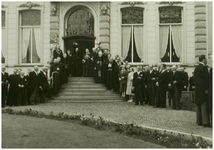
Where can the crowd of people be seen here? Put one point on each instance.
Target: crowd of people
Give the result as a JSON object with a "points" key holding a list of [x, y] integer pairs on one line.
{"points": [[139, 84]]}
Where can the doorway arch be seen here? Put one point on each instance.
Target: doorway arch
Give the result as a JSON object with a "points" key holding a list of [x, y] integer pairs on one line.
{"points": [[79, 28], [67, 9]]}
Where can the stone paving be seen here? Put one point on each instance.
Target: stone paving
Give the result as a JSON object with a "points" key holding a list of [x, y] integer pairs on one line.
{"points": [[164, 118]]}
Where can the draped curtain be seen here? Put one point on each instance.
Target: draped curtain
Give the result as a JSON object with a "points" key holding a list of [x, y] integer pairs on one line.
{"points": [[163, 39], [138, 35], [25, 41], [3, 42], [126, 33], [177, 40], [37, 33]]}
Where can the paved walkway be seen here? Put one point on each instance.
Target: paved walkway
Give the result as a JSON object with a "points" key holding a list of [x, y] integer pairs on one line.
{"points": [[164, 118]]}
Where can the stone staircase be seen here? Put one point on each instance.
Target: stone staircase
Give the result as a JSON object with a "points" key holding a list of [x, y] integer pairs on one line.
{"points": [[84, 89]]}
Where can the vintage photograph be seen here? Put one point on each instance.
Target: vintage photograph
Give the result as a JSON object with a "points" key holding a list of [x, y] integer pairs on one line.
{"points": [[106, 74]]}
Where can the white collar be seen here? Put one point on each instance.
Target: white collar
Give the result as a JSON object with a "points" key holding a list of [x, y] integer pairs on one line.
{"points": [[202, 63]]}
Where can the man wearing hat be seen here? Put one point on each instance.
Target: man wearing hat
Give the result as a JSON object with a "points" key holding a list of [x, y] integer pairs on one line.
{"points": [[4, 85]]}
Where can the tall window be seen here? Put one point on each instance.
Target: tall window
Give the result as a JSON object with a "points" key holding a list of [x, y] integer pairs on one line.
{"points": [[3, 37], [132, 34], [30, 36], [170, 34]]}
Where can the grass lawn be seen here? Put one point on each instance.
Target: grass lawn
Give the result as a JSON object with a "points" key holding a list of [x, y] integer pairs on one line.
{"points": [[165, 118], [31, 132]]}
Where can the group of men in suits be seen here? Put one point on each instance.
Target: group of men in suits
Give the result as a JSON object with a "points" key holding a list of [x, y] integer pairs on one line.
{"points": [[19, 89], [151, 83]]}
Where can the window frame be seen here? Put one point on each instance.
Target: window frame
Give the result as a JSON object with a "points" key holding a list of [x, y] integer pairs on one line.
{"points": [[183, 25], [144, 8], [19, 27]]}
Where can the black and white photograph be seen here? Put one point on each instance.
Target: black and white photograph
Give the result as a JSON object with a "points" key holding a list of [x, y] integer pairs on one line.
{"points": [[106, 74]]}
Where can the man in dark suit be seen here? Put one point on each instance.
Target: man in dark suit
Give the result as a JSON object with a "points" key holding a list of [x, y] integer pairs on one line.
{"points": [[46, 89], [4, 85], [177, 85], [55, 75], [185, 79], [57, 52], [202, 79], [151, 80], [192, 83], [162, 86], [138, 86], [116, 70], [34, 85], [27, 86]]}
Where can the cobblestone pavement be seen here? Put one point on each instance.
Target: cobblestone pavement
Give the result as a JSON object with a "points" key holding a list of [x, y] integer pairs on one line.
{"points": [[164, 118]]}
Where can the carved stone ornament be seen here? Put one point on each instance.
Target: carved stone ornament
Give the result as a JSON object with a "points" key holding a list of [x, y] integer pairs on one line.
{"points": [[104, 9], [171, 3], [29, 5], [53, 37], [132, 4]]}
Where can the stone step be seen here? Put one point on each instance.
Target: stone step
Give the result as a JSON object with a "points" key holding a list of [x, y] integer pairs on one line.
{"points": [[80, 79], [107, 97], [100, 89], [80, 82], [82, 86], [83, 101], [86, 93]]}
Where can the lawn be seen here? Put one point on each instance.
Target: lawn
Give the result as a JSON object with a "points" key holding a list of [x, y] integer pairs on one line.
{"points": [[30, 132], [165, 118]]}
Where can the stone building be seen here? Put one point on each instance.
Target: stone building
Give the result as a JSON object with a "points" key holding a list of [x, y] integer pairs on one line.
{"points": [[140, 32]]}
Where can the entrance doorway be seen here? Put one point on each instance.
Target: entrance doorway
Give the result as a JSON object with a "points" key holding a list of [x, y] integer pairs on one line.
{"points": [[83, 42], [79, 28]]}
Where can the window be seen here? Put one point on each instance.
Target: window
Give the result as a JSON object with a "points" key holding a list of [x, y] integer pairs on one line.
{"points": [[3, 37], [132, 34], [80, 22], [30, 35], [170, 34]]}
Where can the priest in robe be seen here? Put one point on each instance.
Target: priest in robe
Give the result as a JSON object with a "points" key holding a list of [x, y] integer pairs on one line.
{"points": [[77, 63], [55, 75], [13, 89], [22, 95]]}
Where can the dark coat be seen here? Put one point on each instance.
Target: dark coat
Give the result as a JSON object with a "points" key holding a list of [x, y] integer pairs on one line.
{"points": [[13, 89], [58, 53], [163, 78], [4, 85], [34, 81], [202, 79]]}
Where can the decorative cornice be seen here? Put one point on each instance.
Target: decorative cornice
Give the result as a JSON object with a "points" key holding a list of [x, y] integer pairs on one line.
{"points": [[132, 4], [29, 5], [170, 3]]}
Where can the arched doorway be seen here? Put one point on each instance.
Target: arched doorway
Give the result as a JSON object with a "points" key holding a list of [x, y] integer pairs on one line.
{"points": [[79, 28]]}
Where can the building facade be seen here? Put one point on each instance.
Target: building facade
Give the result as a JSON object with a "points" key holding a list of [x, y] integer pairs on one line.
{"points": [[140, 32]]}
